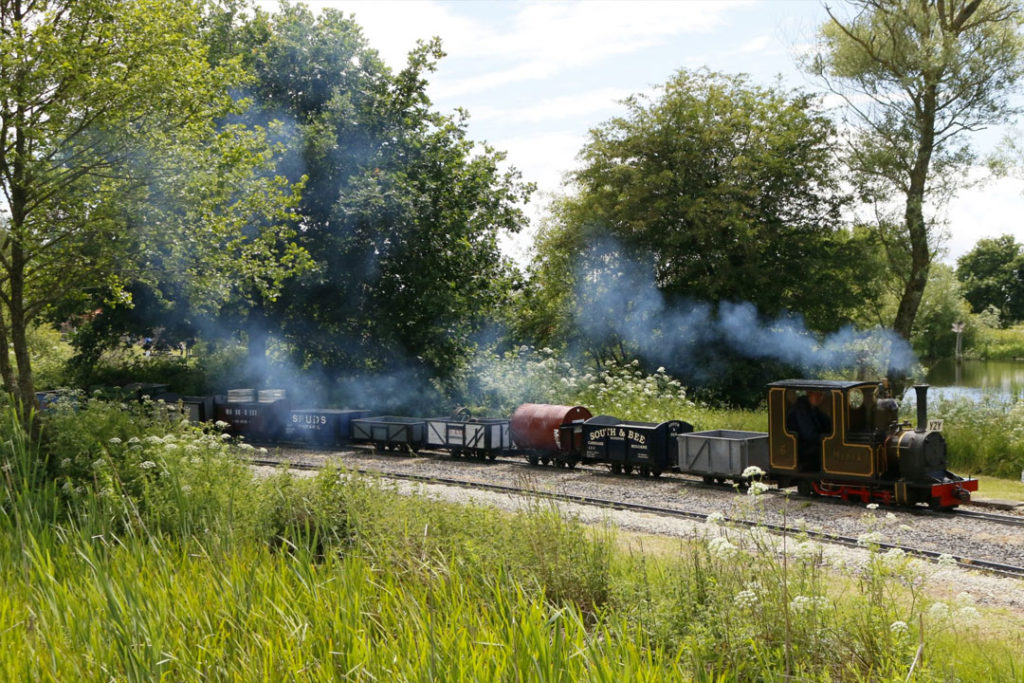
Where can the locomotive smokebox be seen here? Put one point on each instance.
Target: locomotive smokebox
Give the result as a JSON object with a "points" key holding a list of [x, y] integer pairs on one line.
{"points": [[922, 407]]}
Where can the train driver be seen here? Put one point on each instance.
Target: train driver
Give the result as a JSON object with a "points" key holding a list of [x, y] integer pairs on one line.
{"points": [[810, 424]]}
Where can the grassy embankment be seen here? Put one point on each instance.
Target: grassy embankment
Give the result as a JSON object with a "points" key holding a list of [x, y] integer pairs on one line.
{"points": [[145, 550]]}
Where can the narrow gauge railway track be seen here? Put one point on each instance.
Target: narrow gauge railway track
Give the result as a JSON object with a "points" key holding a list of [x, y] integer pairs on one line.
{"points": [[837, 539], [1009, 520]]}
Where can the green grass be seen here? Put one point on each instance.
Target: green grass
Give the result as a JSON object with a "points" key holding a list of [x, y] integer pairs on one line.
{"points": [[193, 569], [1003, 489], [998, 344]]}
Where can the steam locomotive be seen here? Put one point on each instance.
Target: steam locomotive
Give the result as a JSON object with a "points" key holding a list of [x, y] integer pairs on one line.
{"points": [[868, 456]]}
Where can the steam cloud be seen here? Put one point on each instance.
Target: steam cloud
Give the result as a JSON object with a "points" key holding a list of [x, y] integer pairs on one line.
{"points": [[617, 298]]}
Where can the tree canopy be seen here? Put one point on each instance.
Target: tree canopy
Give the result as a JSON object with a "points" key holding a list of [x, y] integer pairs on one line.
{"points": [[113, 163], [401, 211], [726, 187], [992, 275]]}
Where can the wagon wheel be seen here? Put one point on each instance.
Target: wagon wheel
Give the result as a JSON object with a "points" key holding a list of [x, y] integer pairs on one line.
{"points": [[572, 464], [560, 463], [533, 460], [628, 469], [545, 460], [708, 479], [645, 471], [379, 445], [492, 455], [616, 468], [480, 455], [655, 472]]}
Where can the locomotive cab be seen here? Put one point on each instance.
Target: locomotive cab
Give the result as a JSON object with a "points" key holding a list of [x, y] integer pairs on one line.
{"points": [[846, 449]]}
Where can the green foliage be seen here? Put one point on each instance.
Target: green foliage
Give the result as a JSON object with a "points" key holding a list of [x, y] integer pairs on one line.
{"points": [[983, 436], [993, 276], [401, 210], [718, 171], [990, 342], [119, 164], [941, 306]]}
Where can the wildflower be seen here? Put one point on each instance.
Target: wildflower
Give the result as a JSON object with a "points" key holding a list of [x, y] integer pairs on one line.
{"points": [[947, 560], [185, 488], [905, 527], [964, 598], [261, 449], [890, 516], [752, 471], [746, 599], [715, 518], [147, 465], [808, 551], [134, 439], [938, 610], [245, 446], [893, 558], [872, 506], [661, 370], [757, 488], [225, 436], [66, 462], [899, 627], [870, 538], [967, 613], [115, 440], [221, 424], [807, 603], [152, 438], [722, 548]]}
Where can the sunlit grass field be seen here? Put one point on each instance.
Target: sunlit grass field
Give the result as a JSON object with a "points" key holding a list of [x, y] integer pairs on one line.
{"points": [[136, 547]]}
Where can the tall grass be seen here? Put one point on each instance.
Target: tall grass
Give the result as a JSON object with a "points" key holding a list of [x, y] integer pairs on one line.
{"points": [[207, 572]]}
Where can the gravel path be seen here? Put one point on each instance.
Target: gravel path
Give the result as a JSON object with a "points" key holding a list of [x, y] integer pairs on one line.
{"points": [[973, 538]]}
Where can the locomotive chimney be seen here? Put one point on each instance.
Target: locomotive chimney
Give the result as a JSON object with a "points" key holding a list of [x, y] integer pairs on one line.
{"points": [[922, 407]]}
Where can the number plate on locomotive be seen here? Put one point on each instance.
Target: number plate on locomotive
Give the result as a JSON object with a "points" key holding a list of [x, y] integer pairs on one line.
{"points": [[934, 425]]}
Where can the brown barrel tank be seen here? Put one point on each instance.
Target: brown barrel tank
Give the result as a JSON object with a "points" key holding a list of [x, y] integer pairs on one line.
{"points": [[535, 425]]}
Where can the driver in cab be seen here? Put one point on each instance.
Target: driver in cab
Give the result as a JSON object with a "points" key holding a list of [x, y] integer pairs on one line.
{"points": [[810, 424]]}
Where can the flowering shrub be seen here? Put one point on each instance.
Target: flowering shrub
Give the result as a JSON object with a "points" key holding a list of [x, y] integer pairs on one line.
{"points": [[143, 463], [984, 436]]}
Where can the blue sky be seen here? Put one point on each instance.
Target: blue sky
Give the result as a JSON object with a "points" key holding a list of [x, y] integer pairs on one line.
{"points": [[536, 76]]}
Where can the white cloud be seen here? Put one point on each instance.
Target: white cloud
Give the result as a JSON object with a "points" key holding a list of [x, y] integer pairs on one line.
{"points": [[993, 209], [591, 104]]}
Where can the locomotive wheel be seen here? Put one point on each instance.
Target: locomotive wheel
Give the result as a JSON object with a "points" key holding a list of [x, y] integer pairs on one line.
{"points": [[533, 460], [803, 487], [545, 460], [560, 463], [616, 468], [492, 455], [655, 472], [572, 464]]}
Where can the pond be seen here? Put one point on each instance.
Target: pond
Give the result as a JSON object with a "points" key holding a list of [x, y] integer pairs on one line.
{"points": [[976, 378]]}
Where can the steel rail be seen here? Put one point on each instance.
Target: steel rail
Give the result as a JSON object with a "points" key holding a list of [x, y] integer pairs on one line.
{"points": [[848, 541]]}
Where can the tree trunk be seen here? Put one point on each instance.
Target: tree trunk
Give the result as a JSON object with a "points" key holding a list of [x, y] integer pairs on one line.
{"points": [[917, 230], [6, 371], [19, 326]]}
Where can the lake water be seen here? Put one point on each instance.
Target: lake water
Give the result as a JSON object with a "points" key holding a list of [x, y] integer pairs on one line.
{"points": [[976, 378]]}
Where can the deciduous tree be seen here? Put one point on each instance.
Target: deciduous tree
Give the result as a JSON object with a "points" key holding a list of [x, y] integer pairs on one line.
{"points": [[917, 77], [115, 161]]}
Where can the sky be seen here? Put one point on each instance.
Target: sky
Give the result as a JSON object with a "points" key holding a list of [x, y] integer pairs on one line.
{"points": [[535, 77]]}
